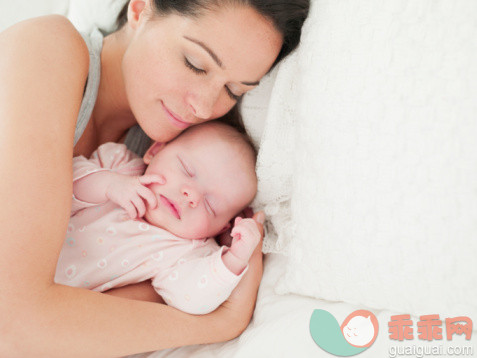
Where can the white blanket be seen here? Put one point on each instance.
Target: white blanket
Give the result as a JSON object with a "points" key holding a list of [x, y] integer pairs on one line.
{"points": [[280, 328]]}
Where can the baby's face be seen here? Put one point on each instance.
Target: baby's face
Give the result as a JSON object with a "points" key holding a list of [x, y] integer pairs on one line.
{"points": [[208, 181]]}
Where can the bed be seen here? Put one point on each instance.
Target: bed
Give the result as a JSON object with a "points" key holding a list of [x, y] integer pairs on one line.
{"points": [[367, 173]]}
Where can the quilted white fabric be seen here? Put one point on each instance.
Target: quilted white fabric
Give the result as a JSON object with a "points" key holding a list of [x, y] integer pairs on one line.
{"points": [[384, 192], [275, 157]]}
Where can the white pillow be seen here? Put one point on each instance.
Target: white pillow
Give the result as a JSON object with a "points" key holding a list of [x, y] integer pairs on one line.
{"points": [[255, 106], [385, 177], [15, 11], [87, 14], [275, 158]]}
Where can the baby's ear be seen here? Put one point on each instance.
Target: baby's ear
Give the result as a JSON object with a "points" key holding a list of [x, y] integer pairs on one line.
{"points": [[152, 151]]}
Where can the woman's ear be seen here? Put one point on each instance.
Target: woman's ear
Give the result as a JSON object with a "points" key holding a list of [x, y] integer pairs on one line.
{"points": [[136, 11], [152, 151]]}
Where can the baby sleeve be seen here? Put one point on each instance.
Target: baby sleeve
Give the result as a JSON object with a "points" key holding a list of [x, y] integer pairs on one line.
{"points": [[197, 285], [108, 157]]}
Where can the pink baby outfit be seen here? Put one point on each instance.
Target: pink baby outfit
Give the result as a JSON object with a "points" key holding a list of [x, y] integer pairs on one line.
{"points": [[104, 248]]}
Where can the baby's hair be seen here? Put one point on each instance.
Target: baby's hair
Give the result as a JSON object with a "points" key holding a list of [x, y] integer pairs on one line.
{"points": [[239, 135], [229, 133]]}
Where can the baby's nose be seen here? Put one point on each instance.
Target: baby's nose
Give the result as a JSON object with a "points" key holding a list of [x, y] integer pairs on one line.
{"points": [[191, 196]]}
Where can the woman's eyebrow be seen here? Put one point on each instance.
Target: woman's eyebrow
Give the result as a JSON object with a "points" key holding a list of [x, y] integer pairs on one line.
{"points": [[217, 59], [206, 48]]}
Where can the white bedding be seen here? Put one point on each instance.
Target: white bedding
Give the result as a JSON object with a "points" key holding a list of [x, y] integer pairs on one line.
{"points": [[280, 327], [15, 11]]}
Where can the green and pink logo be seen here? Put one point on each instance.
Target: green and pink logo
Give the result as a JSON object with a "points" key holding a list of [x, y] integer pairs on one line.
{"points": [[356, 334]]}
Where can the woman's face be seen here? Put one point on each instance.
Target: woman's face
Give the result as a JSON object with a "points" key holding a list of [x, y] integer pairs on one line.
{"points": [[180, 71]]}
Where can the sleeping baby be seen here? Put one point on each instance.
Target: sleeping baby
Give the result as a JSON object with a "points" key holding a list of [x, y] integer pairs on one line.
{"points": [[132, 223]]}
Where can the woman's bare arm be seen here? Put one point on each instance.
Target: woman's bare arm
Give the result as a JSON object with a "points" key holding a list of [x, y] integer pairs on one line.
{"points": [[43, 67], [142, 291]]}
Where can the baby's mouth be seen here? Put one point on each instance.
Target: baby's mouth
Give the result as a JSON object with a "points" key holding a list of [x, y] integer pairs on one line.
{"points": [[173, 208]]}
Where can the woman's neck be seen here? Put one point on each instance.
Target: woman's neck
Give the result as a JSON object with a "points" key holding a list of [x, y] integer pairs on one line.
{"points": [[112, 115]]}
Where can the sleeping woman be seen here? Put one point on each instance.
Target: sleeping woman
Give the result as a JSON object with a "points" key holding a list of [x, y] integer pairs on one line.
{"points": [[170, 65]]}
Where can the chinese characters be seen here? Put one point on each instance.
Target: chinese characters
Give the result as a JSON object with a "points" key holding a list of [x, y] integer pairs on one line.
{"points": [[429, 327]]}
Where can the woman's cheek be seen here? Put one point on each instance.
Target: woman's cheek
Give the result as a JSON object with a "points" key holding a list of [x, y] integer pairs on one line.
{"points": [[223, 106]]}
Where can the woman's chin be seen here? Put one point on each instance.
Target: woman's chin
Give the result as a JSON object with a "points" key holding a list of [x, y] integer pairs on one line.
{"points": [[160, 133]]}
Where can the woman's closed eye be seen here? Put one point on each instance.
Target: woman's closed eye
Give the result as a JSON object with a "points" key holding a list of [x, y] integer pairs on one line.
{"points": [[200, 71], [231, 95]]}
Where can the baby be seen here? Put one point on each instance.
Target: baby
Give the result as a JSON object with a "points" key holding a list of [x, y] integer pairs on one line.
{"points": [[130, 223]]}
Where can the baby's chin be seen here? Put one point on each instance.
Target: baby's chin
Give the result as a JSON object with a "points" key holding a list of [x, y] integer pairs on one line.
{"points": [[150, 220], [186, 233], [174, 230]]}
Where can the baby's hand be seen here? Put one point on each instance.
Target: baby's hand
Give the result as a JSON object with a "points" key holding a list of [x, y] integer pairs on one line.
{"points": [[131, 193], [245, 237]]}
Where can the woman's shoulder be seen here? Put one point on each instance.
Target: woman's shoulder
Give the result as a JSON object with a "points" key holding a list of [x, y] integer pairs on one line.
{"points": [[48, 39], [43, 66]]}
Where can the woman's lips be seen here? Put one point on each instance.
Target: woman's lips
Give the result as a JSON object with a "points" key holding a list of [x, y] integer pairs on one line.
{"points": [[174, 119], [170, 205]]}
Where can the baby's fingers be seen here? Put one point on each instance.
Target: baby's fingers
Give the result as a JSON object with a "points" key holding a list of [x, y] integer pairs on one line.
{"points": [[247, 228], [149, 196], [130, 209], [246, 223], [139, 205], [152, 178]]}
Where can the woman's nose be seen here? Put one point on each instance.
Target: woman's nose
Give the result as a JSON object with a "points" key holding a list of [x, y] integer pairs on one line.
{"points": [[202, 102], [191, 196]]}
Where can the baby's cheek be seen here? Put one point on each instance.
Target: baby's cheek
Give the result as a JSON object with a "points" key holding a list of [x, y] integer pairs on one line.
{"points": [[202, 228], [153, 217]]}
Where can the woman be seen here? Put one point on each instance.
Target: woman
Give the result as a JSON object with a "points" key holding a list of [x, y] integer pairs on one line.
{"points": [[171, 65]]}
